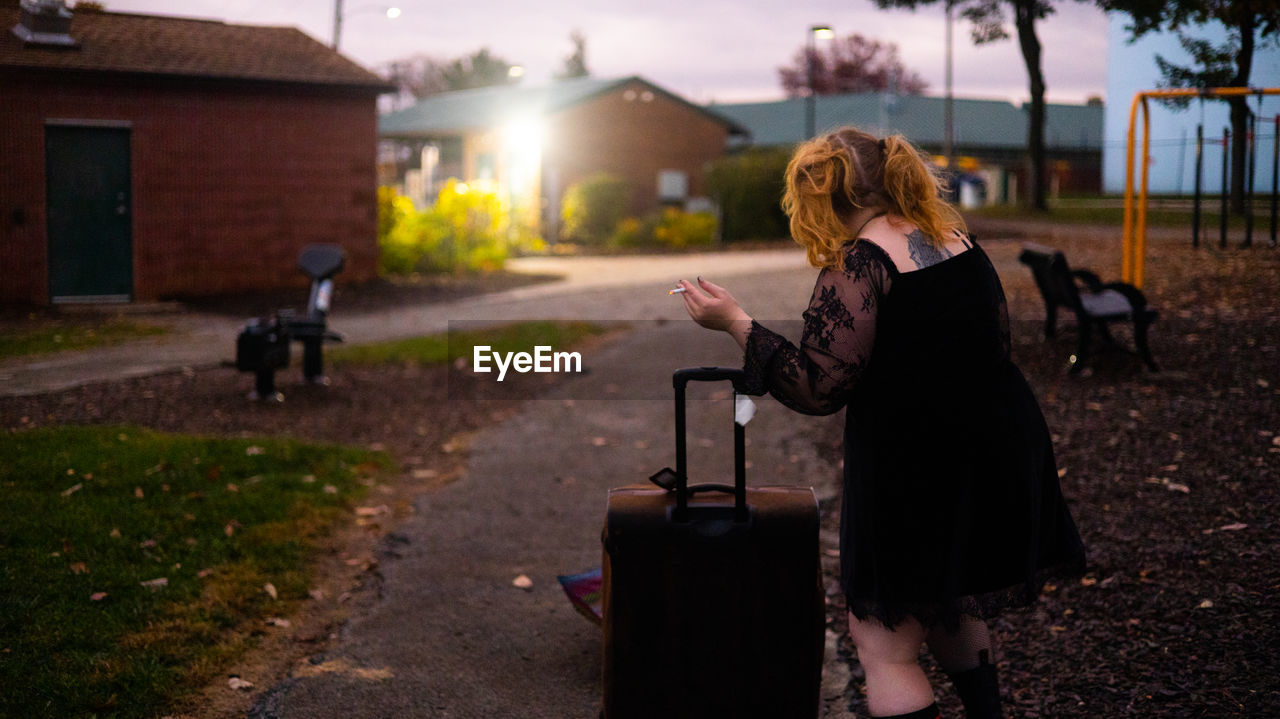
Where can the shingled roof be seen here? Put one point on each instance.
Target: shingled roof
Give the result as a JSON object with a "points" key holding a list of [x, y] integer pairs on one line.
{"points": [[488, 107], [151, 45], [978, 123]]}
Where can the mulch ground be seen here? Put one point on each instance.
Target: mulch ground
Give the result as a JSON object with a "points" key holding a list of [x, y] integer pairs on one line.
{"points": [[1173, 477]]}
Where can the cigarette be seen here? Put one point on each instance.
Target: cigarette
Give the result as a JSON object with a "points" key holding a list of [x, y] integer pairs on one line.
{"points": [[676, 291]]}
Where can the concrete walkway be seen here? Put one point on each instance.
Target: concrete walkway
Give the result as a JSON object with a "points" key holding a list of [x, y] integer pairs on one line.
{"points": [[205, 340], [450, 635]]}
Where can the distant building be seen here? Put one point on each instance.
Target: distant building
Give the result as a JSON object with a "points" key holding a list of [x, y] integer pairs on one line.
{"points": [[150, 157], [989, 136], [534, 143], [1131, 68]]}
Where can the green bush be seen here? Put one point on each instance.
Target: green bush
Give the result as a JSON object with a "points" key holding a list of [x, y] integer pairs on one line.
{"points": [[591, 209], [468, 229], [670, 228], [748, 187]]}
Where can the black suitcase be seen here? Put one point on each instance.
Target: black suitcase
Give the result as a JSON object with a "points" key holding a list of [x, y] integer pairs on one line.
{"points": [[713, 604]]}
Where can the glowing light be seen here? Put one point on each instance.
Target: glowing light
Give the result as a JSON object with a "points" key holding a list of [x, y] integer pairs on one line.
{"points": [[822, 32], [515, 71], [522, 146], [393, 13], [461, 188]]}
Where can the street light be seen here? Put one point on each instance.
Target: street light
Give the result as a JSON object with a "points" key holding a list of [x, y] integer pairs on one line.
{"points": [[948, 120], [391, 12], [817, 32]]}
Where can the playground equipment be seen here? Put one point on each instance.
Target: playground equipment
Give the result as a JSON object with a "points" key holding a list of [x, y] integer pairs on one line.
{"points": [[1135, 218], [262, 347]]}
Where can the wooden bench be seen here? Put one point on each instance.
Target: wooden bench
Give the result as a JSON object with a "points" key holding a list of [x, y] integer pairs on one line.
{"points": [[1095, 304]]}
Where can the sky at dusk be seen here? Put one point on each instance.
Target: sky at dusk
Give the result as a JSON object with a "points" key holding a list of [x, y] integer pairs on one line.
{"points": [[704, 50]]}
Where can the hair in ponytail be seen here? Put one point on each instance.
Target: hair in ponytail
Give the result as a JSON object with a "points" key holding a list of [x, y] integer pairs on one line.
{"points": [[829, 178]]}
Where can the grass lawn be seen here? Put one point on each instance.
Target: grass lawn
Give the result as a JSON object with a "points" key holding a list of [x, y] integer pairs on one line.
{"points": [[27, 337], [134, 564], [435, 349]]}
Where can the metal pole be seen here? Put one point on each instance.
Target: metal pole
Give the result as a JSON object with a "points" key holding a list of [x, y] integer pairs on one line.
{"points": [[1195, 207], [1226, 164], [809, 101], [337, 22], [948, 121], [1250, 164], [1275, 178]]}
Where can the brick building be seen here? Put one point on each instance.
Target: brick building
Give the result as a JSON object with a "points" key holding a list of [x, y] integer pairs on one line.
{"points": [[534, 143], [151, 157]]}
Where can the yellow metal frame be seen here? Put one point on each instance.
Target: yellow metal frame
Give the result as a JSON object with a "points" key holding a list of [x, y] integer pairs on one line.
{"points": [[1135, 233]]}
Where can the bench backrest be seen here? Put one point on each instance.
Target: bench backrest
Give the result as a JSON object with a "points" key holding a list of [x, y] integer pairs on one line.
{"points": [[1052, 275]]}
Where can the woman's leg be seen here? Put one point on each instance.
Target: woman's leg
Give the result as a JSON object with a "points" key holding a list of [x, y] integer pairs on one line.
{"points": [[965, 655], [896, 684]]}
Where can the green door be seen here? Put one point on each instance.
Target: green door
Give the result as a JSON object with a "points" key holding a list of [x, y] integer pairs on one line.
{"points": [[90, 216]]}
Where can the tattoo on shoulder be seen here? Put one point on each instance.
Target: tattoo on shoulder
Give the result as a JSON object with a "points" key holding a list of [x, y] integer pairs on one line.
{"points": [[923, 252]]}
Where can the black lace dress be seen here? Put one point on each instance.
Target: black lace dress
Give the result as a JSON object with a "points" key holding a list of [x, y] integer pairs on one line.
{"points": [[951, 505]]}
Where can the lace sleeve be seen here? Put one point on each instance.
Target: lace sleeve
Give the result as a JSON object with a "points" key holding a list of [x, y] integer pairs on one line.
{"points": [[839, 332]]}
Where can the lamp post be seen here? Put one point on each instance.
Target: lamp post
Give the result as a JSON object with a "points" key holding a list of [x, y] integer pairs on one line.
{"points": [[948, 121], [338, 14], [817, 32]]}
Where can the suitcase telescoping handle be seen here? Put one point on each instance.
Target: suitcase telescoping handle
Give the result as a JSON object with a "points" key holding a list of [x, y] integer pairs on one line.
{"points": [[681, 379]]}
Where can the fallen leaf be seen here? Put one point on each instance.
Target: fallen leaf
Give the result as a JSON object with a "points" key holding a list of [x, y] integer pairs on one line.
{"points": [[231, 527], [97, 596], [115, 533], [1093, 406], [72, 490], [599, 441], [372, 511], [147, 543], [424, 473], [156, 584], [239, 684], [79, 568], [232, 487], [1176, 487], [316, 594], [1169, 468], [1263, 383], [204, 573], [270, 589], [1088, 581], [330, 489], [1062, 472], [308, 478], [278, 622], [137, 492], [1233, 527], [523, 582], [254, 451], [1206, 604]]}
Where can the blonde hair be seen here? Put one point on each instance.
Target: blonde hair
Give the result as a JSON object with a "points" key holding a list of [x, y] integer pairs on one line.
{"points": [[829, 178]]}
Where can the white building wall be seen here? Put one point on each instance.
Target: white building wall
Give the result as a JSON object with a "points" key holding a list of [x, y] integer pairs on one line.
{"points": [[1131, 68]]}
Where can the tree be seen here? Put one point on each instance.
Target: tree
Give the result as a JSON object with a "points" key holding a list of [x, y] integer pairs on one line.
{"points": [[987, 19], [420, 76], [1225, 65], [576, 64], [479, 69], [852, 64]]}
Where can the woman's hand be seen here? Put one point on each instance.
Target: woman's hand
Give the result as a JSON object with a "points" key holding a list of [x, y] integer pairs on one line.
{"points": [[716, 309]]}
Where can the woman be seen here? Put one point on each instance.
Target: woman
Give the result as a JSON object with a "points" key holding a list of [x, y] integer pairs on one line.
{"points": [[952, 510]]}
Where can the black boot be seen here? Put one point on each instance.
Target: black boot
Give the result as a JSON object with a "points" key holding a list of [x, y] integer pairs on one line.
{"points": [[979, 689]]}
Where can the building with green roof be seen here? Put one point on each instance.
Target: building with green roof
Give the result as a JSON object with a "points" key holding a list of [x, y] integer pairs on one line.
{"points": [[989, 136], [533, 143]]}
